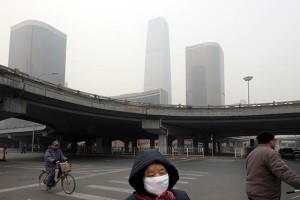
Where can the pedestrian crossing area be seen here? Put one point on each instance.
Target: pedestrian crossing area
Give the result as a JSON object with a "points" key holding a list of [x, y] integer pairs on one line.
{"points": [[117, 189], [103, 182]]}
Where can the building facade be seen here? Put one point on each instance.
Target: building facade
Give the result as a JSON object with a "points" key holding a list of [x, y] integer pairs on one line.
{"points": [[39, 50], [157, 63], [205, 75], [158, 96]]}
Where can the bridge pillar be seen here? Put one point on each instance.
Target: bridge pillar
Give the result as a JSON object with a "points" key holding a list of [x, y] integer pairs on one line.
{"points": [[196, 144], [155, 127], [103, 145], [162, 143], [134, 145], [126, 146], [152, 143], [180, 145]]}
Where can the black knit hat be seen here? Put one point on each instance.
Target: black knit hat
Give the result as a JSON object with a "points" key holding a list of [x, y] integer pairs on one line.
{"points": [[264, 137]]}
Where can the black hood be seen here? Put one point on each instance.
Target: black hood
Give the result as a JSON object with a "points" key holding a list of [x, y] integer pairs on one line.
{"points": [[145, 158]]}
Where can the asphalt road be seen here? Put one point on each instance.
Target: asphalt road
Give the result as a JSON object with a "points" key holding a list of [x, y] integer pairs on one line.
{"points": [[106, 178]]}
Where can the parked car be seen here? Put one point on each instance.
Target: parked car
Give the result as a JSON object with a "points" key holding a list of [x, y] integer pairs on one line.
{"points": [[287, 153]]}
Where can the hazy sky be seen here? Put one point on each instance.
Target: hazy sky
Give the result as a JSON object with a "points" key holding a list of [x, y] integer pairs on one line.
{"points": [[106, 42]]}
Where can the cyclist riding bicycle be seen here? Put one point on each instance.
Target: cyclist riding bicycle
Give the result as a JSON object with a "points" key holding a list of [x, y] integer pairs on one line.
{"points": [[53, 156]]}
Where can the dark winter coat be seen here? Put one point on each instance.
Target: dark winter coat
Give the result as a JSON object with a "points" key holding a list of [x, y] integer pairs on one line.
{"points": [[140, 164], [51, 155]]}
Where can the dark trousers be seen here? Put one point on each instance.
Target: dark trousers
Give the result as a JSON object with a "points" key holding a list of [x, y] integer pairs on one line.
{"points": [[51, 178]]}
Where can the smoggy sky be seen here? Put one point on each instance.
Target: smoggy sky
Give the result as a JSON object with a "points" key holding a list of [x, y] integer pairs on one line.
{"points": [[106, 42]]}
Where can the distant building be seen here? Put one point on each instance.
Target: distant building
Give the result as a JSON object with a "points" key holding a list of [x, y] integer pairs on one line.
{"points": [[159, 96], [205, 75], [157, 64], [39, 50]]}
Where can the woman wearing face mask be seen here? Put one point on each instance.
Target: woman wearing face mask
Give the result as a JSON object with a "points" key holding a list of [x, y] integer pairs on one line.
{"points": [[153, 177]]}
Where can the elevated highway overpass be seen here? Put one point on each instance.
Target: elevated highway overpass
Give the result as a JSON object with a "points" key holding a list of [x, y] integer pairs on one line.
{"points": [[77, 115]]}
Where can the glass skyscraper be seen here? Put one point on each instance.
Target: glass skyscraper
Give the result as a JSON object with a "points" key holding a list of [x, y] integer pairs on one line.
{"points": [[205, 75], [157, 64], [38, 49]]}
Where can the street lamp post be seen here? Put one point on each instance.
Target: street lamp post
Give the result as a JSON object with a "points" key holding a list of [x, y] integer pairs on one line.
{"points": [[248, 79]]}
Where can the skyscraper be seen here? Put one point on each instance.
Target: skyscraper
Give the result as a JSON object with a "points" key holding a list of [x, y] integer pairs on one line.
{"points": [[39, 50], [157, 64], [205, 75]]}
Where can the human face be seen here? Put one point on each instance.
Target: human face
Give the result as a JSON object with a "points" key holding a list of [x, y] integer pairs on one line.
{"points": [[55, 146], [154, 170]]}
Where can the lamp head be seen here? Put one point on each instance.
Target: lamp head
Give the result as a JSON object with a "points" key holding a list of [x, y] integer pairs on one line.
{"points": [[248, 78]]}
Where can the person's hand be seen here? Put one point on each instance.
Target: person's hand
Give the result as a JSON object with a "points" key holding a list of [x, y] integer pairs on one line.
{"points": [[55, 161], [67, 160]]}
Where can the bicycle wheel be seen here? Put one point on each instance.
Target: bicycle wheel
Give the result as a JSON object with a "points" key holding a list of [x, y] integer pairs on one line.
{"points": [[43, 178], [68, 183]]}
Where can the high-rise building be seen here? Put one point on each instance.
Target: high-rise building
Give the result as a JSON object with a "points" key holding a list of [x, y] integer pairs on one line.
{"points": [[39, 50], [205, 75], [157, 64]]}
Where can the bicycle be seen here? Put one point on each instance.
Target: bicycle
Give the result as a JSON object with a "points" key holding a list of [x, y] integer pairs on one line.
{"points": [[68, 183], [293, 191]]}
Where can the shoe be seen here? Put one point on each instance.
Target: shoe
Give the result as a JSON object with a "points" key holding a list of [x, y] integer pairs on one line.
{"points": [[49, 187]]}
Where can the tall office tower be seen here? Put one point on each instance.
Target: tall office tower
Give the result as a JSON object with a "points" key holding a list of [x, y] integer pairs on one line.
{"points": [[205, 75], [157, 64], [39, 50]]}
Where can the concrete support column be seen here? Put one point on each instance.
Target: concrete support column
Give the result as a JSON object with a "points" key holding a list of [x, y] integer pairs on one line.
{"points": [[152, 143], [206, 145], [162, 143], [170, 142], [134, 145], [88, 146], [180, 145], [103, 145], [214, 145], [74, 147], [219, 147], [195, 145], [126, 146]]}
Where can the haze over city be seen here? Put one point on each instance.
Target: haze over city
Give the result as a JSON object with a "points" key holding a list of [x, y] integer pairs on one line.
{"points": [[106, 42]]}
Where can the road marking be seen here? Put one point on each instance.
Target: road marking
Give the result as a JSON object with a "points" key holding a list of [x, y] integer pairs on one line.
{"points": [[85, 196], [182, 182], [190, 178], [76, 178], [121, 182], [192, 174], [111, 188], [18, 188], [103, 173], [83, 171], [20, 167]]}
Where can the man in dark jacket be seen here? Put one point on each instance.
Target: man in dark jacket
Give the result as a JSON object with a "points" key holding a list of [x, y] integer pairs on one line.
{"points": [[265, 170], [53, 156], [153, 177]]}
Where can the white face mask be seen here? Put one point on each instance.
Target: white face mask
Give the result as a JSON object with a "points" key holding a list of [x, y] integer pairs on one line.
{"points": [[156, 185]]}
